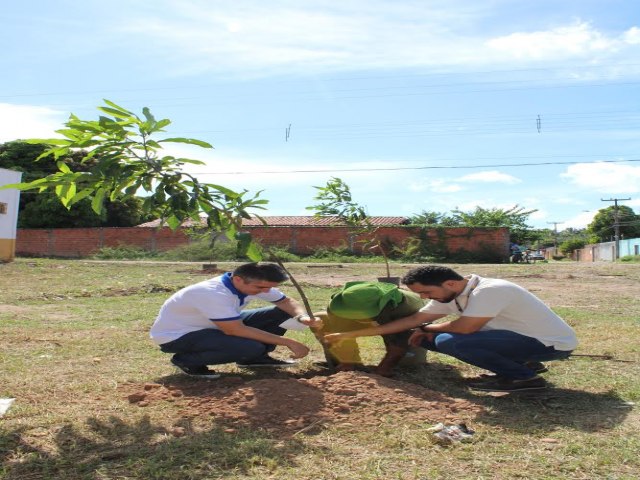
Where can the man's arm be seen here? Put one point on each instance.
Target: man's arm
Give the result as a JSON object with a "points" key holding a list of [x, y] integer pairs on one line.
{"points": [[459, 325], [400, 325], [295, 308], [291, 306], [237, 328]]}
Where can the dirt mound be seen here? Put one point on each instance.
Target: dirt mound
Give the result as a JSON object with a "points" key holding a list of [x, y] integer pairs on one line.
{"points": [[289, 405]]}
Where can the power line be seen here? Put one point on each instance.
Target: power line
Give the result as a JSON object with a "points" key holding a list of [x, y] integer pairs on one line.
{"points": [[431, 167]]}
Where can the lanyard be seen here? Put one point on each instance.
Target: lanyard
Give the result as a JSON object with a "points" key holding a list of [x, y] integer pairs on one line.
{"points": [[472, 285]]}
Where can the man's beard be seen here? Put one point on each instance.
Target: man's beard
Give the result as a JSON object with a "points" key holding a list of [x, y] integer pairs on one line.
{"points": [[449, 298]]}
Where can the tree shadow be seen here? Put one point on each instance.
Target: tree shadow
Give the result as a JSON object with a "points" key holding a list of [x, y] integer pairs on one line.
{"points": [[547, 410], [115, 447], [543, 410]]}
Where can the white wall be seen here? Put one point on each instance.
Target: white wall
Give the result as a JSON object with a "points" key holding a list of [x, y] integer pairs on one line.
{"points": [[9, 217]]}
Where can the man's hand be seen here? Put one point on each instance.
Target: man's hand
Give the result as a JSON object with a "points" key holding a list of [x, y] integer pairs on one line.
{"points": [[311, 322], [334, 337], [416, 338], [298, 350]]}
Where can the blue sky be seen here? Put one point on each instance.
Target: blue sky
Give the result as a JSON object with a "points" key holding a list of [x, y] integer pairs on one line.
{"points": [[416, 105]]}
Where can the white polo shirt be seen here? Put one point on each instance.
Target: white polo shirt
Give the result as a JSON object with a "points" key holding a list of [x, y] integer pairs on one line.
{"points": [[196, 307], [512, 308]]}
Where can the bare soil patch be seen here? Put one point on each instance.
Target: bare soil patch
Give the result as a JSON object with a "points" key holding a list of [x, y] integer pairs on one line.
{"points": [[285, 406]]}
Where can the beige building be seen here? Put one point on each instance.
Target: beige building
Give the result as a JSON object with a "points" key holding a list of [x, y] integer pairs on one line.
{"points": [[8, 214]]}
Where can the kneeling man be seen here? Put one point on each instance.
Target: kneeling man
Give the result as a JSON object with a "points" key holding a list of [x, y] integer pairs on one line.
{"points": [[500, 327], [204, 324]]}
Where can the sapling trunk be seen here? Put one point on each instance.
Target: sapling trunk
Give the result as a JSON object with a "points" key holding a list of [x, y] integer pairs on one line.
{"points": [[307, 306]]}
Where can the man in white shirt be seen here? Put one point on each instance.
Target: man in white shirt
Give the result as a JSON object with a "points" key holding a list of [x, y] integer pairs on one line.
{"points": [[204, 324], [500, 326]]}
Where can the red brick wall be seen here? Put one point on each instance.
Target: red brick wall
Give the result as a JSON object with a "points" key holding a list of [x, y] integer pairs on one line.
{"points": [[80, 242], [305, 240]]}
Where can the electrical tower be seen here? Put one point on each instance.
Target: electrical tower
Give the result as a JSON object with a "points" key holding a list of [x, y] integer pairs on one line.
{"points": [[555, 235], [616, 222]]}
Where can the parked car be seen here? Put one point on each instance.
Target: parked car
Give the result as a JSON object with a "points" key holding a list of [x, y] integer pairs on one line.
{"points": [[533, 255]]}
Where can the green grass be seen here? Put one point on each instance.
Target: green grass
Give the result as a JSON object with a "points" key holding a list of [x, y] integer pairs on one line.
{"points": [[73, 332]]}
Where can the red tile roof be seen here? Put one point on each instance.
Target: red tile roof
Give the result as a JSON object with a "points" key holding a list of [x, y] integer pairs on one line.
{"points": [[295, 221]]}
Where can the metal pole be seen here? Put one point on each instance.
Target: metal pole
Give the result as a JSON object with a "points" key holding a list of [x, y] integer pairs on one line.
{"points": [[616, 223]]}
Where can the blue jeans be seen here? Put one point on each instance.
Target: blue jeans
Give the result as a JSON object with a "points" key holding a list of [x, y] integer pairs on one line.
{"points": [[213, 347], [500, 351]]}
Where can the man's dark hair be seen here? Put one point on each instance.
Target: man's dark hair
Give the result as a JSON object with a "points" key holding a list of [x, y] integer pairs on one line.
{"points": [[430, 275], [262, 272]]}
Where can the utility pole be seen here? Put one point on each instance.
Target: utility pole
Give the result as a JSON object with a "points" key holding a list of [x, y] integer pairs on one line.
{"points": [[555, 235], [616, 222]]}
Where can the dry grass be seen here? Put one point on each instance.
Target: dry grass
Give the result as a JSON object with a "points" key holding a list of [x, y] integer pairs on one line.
{"points": [[73, 332]]}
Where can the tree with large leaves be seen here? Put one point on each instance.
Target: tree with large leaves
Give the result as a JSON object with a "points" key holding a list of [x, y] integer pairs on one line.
{"points": [[123, 159], [44, 210]]}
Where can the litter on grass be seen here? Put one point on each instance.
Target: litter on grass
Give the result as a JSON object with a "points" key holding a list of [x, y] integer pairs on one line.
{"points": [[5, 403], [448, 434]]}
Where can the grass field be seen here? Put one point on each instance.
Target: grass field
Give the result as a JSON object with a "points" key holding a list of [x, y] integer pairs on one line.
{"points": [[72, 332]]}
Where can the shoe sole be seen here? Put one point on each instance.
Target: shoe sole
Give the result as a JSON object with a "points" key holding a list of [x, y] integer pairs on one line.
{"points": [[523, 389], [268, 366], [211, 376]]}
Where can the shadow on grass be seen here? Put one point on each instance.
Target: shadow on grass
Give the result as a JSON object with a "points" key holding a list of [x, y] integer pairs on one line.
{"points": [[556, 407], [117, 448], [540, 411]]}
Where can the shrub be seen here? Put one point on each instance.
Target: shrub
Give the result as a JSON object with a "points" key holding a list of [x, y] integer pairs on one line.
{"points": [[282, 254], [123, 252], [201, 251], [340, 255], [570, 245]]}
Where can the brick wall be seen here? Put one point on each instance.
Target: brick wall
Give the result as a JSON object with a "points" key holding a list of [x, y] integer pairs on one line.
{"points": [[81, 242]]}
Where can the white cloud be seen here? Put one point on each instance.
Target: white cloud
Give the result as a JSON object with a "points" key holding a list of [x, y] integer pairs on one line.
{"points": [[256, 38], [632, 36], [20, 122], [581, 220], [492, 176], [434, 186], [567, 41], [610, 178]]}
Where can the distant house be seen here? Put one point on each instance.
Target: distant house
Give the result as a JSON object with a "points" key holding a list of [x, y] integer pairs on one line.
{"points": [[306, 234], [296, 221]]}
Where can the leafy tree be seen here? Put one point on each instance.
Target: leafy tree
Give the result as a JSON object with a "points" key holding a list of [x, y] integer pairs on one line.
{"points": [[569, 246], [515, 219], [433, 219], [122, 158], [44, 210], [602, 226], [336, 201]]}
